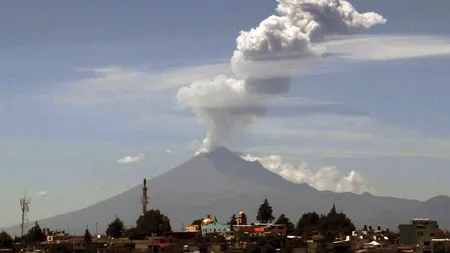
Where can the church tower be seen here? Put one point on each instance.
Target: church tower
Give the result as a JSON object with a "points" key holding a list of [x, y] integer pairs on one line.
{"points": [[144, 197], [241, 218]]}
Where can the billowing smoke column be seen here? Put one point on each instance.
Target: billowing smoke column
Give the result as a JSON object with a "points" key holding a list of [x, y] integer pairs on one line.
{"points": [[228, 104]]}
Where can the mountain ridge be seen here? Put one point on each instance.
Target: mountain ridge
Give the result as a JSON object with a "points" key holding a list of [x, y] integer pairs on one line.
{"points": [[221, 182]]}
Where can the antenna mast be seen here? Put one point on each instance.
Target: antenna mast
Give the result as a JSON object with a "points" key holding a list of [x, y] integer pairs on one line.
{"points": [[25, 208]]}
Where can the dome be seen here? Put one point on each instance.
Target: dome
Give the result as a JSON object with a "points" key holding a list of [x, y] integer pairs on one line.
{"points": [[207, 221], [241, 213]]}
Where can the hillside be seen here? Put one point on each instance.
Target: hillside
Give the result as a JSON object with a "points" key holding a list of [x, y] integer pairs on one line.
{"points": [[222, 183]]}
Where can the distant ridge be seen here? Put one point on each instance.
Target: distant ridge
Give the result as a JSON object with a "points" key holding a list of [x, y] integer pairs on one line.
{"points": [[220, 182]]}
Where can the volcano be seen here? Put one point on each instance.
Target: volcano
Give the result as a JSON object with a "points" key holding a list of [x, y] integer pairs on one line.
{"points": [[222, 183]]}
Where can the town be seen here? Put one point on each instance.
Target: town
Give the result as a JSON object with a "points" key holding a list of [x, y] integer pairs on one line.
{"points": [[313, 233]]}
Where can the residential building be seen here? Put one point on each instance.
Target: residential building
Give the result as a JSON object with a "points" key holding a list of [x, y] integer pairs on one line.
{"points": [[260, 229], [419, 232]]}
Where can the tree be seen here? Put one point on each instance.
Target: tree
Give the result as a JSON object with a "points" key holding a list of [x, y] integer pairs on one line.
{"points": [[197, 222], [335, 223], [87, 236], [233, 221], [365, 228], [153, 222], [35, 234], [17, 239], [290, 228], [379, 228], [307, 224], [115, 229], [265, 212], [6, 241]]}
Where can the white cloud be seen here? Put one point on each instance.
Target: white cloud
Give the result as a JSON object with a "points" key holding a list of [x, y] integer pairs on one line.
{"points": [[325, 178], [41, 194], [168, 151], [133, 86], [98, 186], [326, 135], [131, 159], [117, 85], [142, 94], [383, 48]]}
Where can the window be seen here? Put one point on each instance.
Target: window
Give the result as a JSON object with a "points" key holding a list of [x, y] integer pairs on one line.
{"points": [[419, 233], [427, 243]]}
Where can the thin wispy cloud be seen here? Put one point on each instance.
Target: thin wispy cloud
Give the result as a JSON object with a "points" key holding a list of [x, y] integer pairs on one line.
{"points": [[41, 194], [122, 85], [384, 47], [98, 186], [328, 135], [327, 128], [131, 158]]}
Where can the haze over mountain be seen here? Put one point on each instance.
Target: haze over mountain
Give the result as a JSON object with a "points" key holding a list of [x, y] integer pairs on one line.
{"points": [[222, 183]]}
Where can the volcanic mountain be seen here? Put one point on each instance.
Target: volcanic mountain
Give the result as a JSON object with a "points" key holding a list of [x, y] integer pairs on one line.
{"points": [[222, 183]]}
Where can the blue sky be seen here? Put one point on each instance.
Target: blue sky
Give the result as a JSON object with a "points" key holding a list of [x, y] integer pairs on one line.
{"points": [[83, 84]]}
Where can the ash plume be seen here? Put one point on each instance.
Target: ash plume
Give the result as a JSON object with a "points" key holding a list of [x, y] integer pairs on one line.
{"points": [[258, 64]]}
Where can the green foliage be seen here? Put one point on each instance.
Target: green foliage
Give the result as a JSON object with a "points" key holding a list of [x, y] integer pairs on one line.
{"points": [[133, 234], [290, 228], [233, 221], [17, 239], [6, 241], [335, 223], [116, 228], [265, 213], [307, 224], [197, 222], [329, 225], [35, 234], [87, 236], [153, 222]]}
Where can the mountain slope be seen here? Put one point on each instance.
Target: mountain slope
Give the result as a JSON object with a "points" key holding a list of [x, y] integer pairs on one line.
{"points": [[222, 183]]}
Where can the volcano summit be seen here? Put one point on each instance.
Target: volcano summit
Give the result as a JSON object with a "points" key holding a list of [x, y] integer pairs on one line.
{"points": [[222, 183]]}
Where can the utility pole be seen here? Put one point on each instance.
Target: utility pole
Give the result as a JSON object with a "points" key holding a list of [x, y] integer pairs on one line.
{"points": [[25, 208]]}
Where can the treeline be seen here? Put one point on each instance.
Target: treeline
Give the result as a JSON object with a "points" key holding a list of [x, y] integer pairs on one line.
{"points": [[329, 225], [34, 235], [154, 222]]}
